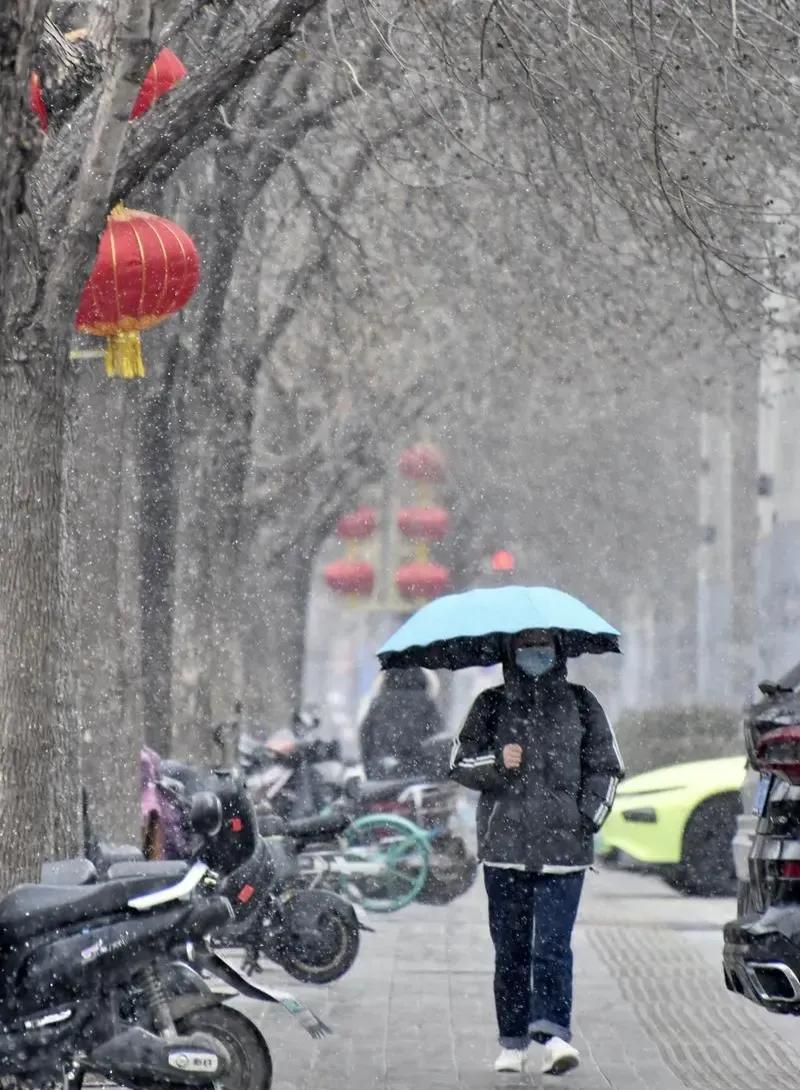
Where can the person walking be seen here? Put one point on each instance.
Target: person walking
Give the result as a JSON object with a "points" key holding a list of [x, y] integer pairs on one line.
{"points": [[544, 757], [398, 722]]}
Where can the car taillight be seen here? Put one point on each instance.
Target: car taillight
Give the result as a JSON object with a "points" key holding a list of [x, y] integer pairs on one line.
{"points": [[789, 868], [778, 751]]}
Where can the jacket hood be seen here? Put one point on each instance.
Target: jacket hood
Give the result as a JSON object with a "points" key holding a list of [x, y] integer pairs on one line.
{"points": [[413, 678], [430, 684], [519, 685]]}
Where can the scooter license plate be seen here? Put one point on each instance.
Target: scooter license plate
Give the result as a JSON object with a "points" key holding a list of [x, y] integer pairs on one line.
{"points": [[762, 795]]}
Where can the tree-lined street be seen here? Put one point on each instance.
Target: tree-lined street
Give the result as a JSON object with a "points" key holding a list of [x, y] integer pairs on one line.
{"points": [[402, 234], [311, 312]]}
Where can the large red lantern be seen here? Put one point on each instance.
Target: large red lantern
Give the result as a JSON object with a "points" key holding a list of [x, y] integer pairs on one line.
{"points": [[421, 580], [357, 525], [353, 577], [146, 269], [422, 462], [423, 523], [162, 75]]}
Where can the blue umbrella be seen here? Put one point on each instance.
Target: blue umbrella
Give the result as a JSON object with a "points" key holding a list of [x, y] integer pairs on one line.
{"points": [[469, 629]]}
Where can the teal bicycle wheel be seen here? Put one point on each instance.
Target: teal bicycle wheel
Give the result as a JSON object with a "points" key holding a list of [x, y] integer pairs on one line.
{"points": [[402, 849]]}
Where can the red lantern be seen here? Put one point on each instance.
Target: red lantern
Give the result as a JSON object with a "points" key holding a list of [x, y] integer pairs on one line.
{"points": [[162, 75], [357, 525], [355, 577], [146, 269], [422, 580], [503, 561], [423, 523], [422, 462], [36, 100]]}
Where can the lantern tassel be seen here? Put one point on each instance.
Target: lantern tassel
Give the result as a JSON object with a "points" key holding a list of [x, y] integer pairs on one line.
{"points": [[124, 356]]}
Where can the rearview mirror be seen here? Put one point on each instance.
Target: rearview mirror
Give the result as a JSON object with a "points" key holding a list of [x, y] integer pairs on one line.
{"points": [[206, 813]]}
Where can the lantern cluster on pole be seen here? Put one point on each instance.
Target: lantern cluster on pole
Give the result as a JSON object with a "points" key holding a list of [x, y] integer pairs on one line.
{"points": [[354, 575], [405, 547], [423, 524]]}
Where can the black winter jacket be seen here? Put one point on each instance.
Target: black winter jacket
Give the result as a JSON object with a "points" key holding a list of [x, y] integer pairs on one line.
{"points": [[401, 718], [546, 812]]}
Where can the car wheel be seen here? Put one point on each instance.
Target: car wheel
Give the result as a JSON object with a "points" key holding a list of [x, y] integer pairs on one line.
{"points": [[706, 868]]}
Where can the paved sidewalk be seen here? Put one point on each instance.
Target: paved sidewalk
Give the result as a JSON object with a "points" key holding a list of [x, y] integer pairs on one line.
{"points": [[652, 1013]]}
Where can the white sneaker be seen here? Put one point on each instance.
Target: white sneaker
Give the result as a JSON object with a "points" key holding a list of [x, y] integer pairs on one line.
{"points": [[559, 1057], [510, 1059]]}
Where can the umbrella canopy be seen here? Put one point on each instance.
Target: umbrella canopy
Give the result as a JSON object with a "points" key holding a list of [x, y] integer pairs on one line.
{"points": [[462, 630]]}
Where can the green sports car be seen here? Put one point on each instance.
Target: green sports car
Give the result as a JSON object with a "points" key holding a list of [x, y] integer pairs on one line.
{"points": [[678, 822]]}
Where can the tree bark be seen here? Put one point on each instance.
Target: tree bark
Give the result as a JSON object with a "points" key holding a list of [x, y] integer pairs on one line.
{"points": [[38, 739], [157, 527], [105, 651], [20, 141], [52, 210], [274, 628]]}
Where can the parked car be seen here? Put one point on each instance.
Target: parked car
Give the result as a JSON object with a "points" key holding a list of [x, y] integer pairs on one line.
{"points": [[678, 822], [762, 946], [743, 838]]}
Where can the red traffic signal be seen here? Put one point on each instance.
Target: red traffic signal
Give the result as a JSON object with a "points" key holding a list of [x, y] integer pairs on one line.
{"points": [[503, 561]]}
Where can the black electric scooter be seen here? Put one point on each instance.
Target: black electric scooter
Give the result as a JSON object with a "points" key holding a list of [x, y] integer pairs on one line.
{"points": [[102, 978]]}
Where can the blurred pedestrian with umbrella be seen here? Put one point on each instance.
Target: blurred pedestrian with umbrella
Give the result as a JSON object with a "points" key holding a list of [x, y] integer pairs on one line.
{"points": [[544, 758]]}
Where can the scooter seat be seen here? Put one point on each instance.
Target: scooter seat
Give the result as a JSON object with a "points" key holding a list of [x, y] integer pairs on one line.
{"points": [[172, 869], [68, 872], [30, 910], [318, 827], [105, 856]]}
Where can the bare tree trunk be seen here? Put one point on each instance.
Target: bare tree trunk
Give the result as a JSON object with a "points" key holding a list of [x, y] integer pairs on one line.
{"points": [[105, 651], [157, 551], [194, 629], [20, 32], [38, 738], [273, 637]]}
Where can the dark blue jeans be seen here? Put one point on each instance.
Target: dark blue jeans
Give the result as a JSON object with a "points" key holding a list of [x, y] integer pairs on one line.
{"points": [[531, 917]]}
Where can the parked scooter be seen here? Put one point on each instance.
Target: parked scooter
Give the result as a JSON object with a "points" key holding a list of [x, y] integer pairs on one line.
{"points": [[432, 807], [292, 774], [379, 863], [102, 977], [301, 789], [287, 776], [314, 936]]}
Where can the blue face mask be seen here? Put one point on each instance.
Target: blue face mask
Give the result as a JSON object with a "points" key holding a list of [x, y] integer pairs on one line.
{"points": [[535, 661]]}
